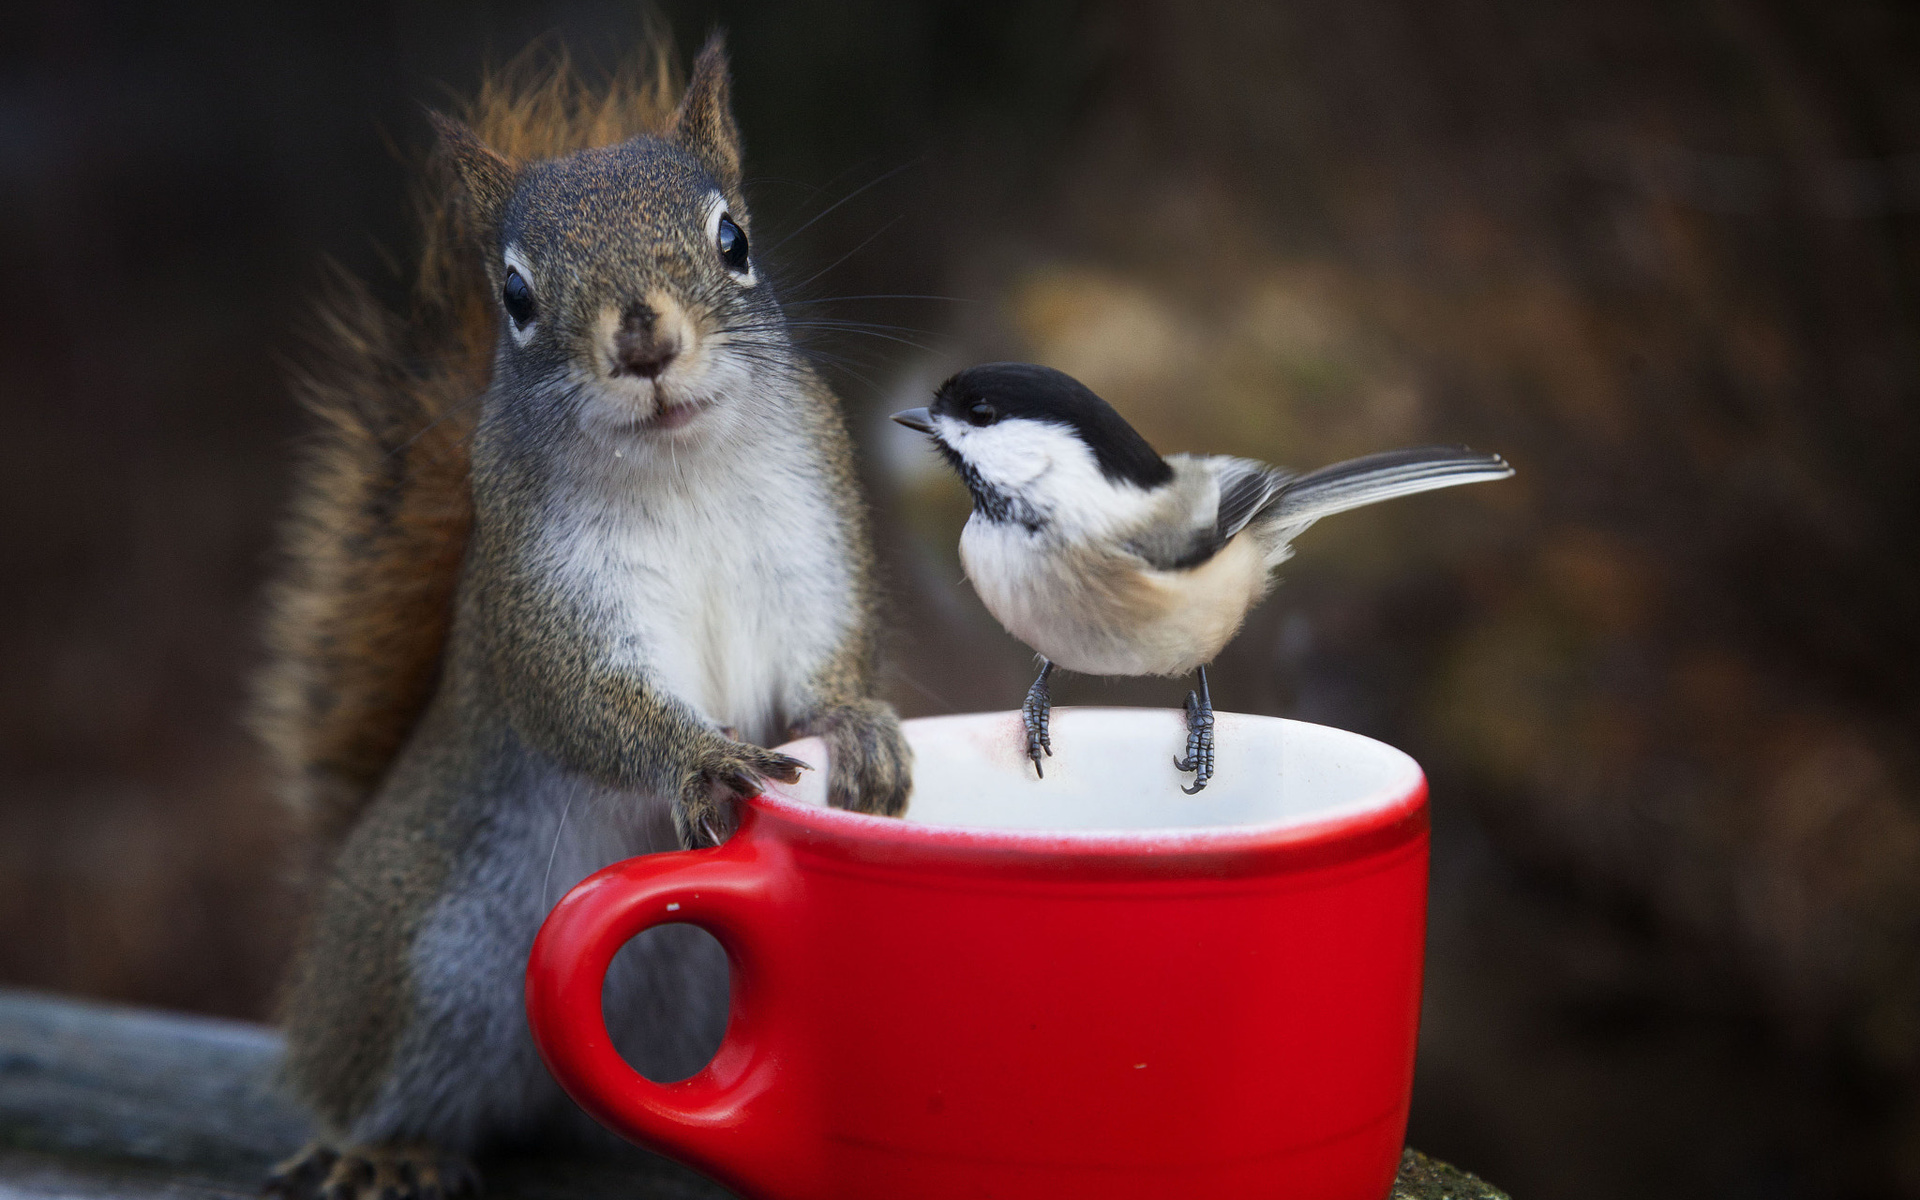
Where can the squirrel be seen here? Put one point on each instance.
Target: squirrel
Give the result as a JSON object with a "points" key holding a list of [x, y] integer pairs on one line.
{"points": [[576, 539]]}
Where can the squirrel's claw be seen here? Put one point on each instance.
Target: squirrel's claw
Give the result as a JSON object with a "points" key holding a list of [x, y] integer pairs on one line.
{"points": [[404, 1172], [301, 1175], [703, 815], [869, 764], [769, 764]]}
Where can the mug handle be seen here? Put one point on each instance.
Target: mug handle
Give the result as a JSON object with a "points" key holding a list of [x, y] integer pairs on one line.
{"points": [[712, 1121]]}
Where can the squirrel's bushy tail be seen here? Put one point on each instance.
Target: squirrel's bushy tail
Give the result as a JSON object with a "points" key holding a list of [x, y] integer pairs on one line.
{"points": [[358, 614]]}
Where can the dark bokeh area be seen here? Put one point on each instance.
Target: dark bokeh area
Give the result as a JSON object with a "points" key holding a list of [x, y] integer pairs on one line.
{"points": [[1664, 256]]}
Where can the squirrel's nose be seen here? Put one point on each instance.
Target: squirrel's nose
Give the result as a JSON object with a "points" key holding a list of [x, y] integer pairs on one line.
{"points": [[639, 348]]}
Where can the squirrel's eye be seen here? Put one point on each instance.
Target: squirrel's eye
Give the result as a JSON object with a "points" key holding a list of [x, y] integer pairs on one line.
{"points": [[732, 244], [982, 414], [518, 297]]}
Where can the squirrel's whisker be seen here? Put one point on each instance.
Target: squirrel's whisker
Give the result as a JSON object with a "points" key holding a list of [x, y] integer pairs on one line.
{"points": [[865, 242], [876, 296], [555, 852], [863, 188]]}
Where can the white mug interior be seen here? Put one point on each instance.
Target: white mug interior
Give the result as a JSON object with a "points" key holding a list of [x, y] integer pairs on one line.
{"points": [[1112, 772]]}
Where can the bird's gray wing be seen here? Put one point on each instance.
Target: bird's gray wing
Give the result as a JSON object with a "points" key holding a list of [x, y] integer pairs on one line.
{"points": [[1246, 488], [1193, 532], [1360, 481], [1280, 504]]}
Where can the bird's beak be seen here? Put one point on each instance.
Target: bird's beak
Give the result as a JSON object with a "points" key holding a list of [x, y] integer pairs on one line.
{"points": [[915, 418]]}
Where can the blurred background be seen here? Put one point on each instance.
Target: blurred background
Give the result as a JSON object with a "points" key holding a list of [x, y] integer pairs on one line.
{"points": [[1665, 256]]}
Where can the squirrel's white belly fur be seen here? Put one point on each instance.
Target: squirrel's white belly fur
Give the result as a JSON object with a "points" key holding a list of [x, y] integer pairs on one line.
{"points": [[1107, 612], [728, 597]]}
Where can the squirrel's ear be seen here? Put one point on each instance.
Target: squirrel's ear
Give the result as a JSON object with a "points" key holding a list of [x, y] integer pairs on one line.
{"points": [[704, 123], [488, 177]]}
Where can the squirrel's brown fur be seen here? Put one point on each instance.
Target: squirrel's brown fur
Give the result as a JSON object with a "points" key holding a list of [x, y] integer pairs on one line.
{"points": [[381, 512]]}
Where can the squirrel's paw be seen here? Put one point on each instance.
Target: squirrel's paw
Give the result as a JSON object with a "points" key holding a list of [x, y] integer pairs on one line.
{"points": [[870, 765], [704, 814], [396, 1172]]}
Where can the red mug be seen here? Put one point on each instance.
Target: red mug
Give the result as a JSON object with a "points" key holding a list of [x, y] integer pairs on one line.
{"points": [[1089, 985]]}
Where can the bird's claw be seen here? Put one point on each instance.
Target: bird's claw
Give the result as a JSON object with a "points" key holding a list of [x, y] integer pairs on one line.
{"points": [[1199, 757], [1037, 715]]}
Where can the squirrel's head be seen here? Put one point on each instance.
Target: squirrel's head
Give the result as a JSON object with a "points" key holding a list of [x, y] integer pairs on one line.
{"points": [[629, 302]]}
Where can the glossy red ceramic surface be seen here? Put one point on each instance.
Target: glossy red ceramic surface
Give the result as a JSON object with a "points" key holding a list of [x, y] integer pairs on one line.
{"points": [[927, 1011]]}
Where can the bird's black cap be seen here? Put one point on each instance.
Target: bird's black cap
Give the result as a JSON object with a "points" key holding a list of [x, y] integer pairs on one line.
{"points": [[997, 391]]}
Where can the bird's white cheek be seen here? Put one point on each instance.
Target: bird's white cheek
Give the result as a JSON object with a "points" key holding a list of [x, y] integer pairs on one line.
{"points": [[1004, 456]]}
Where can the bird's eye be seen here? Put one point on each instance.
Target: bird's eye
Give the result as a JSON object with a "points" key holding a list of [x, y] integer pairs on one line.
{"points": [[517, 295], [732, 244], [982, 414]]}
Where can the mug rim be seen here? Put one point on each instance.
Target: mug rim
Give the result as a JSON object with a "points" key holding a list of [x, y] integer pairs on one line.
{"points": [[1389, 815]]}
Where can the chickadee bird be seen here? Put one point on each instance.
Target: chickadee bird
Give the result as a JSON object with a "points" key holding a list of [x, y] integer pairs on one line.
{"points": [[1110, 560]]}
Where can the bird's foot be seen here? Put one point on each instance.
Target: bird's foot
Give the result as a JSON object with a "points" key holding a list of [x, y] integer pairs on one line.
{"points": [[1199, 757], [1036, 714]]}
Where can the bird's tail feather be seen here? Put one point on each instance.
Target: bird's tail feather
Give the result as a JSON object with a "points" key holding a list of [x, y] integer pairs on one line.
{"points": [[1376, 477]]}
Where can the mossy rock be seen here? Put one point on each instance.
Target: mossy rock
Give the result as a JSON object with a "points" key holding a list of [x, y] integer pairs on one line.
{"points": [[1423, 1178]]}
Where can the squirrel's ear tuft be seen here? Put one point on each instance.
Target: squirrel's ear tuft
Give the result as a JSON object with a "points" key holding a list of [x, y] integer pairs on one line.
{"points": [[704, 123], [488, 177]]}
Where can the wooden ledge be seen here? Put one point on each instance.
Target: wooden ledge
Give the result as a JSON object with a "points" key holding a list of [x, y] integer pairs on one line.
{"points": [[105, 1103]]}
